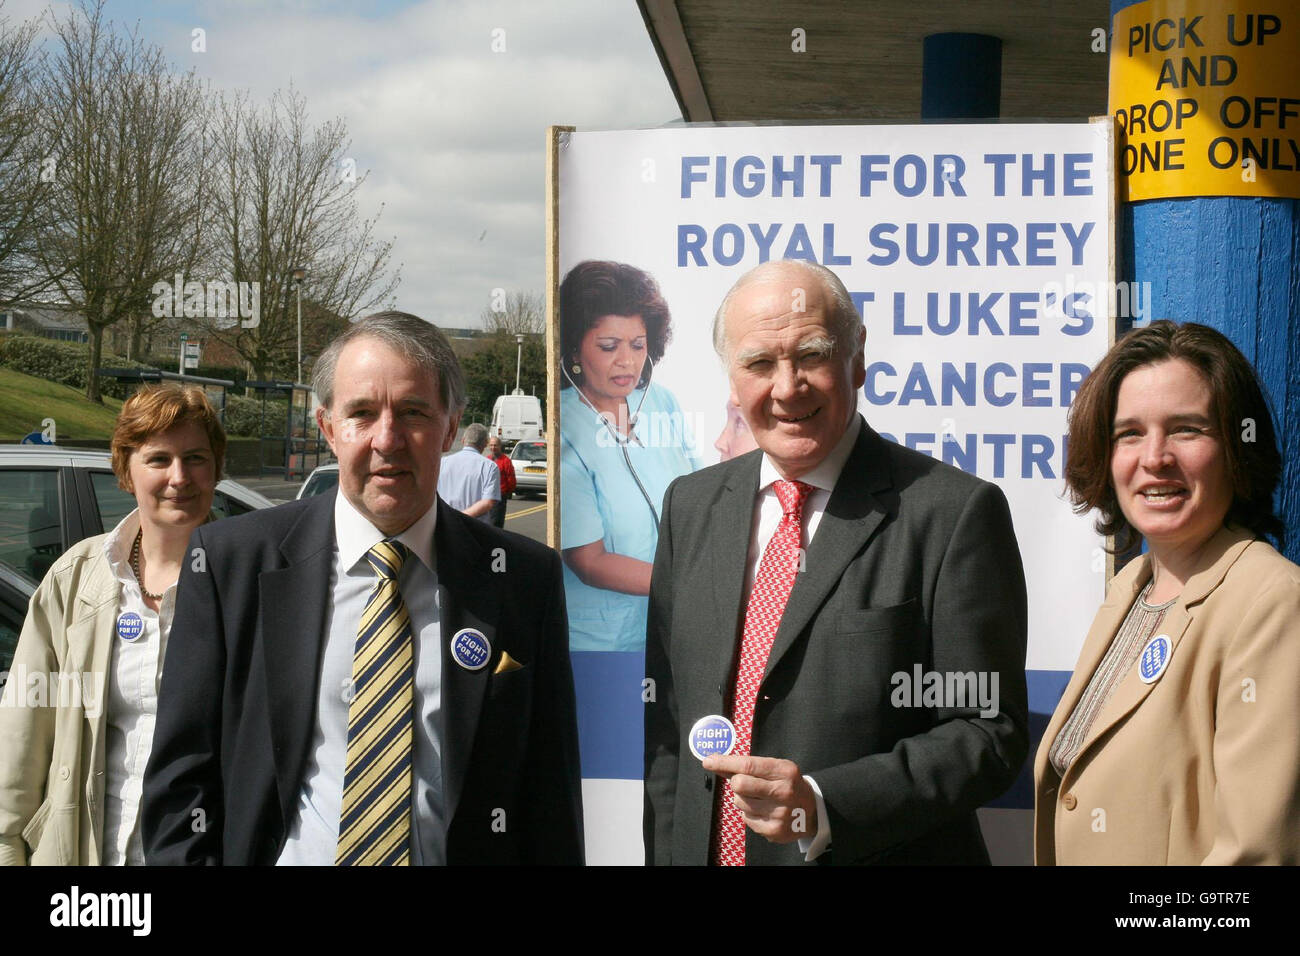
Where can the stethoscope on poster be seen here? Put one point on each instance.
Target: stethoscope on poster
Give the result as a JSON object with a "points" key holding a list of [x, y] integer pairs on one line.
{"points": [[621, 439]]}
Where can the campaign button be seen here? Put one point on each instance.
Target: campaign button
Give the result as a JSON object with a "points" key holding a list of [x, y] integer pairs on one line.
{"points": [[1154, 659], [129, 625], [712, 736], [470, 649]]}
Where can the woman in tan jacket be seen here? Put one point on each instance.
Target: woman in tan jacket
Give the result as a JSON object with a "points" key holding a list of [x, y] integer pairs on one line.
{"points": [[1177, 740], [77, 715]]}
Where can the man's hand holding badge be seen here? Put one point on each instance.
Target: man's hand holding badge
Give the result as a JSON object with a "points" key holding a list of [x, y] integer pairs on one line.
{"points": [[771, 794]]}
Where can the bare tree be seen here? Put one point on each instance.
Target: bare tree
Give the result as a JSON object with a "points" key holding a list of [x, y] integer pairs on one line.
{"points": [[515, 313], [203, 148], [124, 200], [284, 199], [25, 167]]}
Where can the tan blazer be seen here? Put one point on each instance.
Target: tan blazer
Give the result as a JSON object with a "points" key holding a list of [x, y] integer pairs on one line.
{"points": [[1203, 764], [51, 741]]}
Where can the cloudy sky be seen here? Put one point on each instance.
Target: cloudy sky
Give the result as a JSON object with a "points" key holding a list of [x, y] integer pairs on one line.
{"points": [[451, 132]]}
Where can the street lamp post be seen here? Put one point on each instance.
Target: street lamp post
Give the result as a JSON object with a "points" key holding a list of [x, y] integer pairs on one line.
{"points": [[519, 357], [298, 274]]}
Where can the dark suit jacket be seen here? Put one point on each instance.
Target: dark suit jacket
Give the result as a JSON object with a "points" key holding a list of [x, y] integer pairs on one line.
{"points": [[237, 707], [914, 562]]}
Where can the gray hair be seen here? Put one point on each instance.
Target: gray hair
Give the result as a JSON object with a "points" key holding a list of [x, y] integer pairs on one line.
{"points": [[477, 435], [403, 332], [844, 319]]}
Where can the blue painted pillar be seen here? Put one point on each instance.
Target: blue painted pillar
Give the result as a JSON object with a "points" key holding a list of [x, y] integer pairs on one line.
{"points": [[961, 76], [1233, 264]]}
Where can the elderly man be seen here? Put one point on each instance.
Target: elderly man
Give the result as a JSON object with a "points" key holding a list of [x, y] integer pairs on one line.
{"points": [[792, 587], [469, 482], [368, 677]]}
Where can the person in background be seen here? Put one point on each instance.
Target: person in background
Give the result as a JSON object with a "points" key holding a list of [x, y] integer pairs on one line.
{"points": [[72, 756], [469, 482], [622, 441], [499, 458], [1177, 740]]}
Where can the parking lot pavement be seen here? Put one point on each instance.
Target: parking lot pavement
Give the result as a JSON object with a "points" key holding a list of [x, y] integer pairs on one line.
{"points": [[277, 489], [528, 517]]}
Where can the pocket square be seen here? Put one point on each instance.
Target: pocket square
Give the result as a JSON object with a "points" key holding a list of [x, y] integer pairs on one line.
{"points": [[506, 664]]}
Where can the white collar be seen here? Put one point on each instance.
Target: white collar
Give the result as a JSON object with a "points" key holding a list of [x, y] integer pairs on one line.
{"points": [[827, 472], [354, 535], [117, 550], [118, 544]]}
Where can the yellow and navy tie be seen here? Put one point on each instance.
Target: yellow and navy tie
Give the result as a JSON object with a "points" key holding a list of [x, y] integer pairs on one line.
{"points": [[375, 825]]}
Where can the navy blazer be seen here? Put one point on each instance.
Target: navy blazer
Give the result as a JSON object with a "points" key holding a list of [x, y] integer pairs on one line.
{"points": [[237, 708]]}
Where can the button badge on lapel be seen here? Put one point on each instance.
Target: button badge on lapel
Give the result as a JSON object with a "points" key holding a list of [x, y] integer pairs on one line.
{"points": [[1154, 659], [470, 648]]}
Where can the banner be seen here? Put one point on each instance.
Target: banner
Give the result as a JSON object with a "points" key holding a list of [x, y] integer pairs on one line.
{"points": [[979, 258]]}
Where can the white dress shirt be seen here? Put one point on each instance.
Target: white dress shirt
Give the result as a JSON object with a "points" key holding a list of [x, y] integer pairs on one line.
{"points": [[767, 517], [314, 833], [134, 674]]}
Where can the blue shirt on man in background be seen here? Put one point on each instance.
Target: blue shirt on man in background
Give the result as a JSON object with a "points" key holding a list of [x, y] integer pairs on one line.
{"points": [[469, 482]]}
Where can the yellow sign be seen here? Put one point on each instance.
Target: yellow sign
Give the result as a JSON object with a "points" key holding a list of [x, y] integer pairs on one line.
{"points": [[1206, 98]]}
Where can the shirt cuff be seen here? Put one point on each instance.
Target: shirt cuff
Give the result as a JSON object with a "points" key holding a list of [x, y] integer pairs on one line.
{"points": [[814, 846]]}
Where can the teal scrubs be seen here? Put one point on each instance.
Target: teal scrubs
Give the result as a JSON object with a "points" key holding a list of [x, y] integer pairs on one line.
{"points": [[600, 501]]}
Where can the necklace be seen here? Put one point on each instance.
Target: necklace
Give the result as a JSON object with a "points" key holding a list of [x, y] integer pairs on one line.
{"points": [[135, 566]]}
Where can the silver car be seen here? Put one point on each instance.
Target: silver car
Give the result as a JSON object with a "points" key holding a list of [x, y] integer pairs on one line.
{"points": [[321, 481], [16, 591], [529, 460], [52, 497]]}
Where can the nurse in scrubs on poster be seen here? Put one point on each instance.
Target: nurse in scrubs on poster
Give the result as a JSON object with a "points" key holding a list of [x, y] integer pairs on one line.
{"points": [[623, 440]]}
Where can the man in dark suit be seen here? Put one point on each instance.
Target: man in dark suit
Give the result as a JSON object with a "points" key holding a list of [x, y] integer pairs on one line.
{"points": [[370, 677], [798, 589]]}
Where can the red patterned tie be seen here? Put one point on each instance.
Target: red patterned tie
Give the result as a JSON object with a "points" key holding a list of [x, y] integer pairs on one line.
{"points": [[772, 585]]}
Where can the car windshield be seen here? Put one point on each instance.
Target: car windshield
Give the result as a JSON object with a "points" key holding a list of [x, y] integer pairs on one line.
{"points": [[321, 482], [529, 451]]}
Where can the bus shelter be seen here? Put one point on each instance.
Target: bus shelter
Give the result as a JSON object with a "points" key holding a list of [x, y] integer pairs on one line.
{"points": [[291, 446]]}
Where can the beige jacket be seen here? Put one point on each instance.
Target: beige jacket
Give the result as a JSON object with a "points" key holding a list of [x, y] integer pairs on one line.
{"points": [[1203, 764], [52, 715]]}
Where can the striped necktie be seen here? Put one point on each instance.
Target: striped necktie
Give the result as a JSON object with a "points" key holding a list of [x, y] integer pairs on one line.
{"points": [[375, 824]]}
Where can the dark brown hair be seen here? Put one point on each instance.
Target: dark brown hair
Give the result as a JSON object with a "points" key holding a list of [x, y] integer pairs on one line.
{"points": [[595, 289], [160, 408], [1236, 396]]}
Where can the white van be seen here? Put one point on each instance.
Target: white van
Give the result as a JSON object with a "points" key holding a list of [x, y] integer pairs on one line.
{"points": [[517, 417]]}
